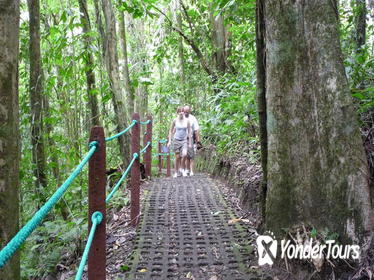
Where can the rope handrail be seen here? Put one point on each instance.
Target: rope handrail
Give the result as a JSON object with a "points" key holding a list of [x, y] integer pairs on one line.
{"points": [[135, 156], [162, 141], [96, 219], [164, 154], [145, 122], [7, 252], [145, 148], [122, 132]]}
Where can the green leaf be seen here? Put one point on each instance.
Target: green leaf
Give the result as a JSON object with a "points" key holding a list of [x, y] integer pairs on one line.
{"points": [[124, 268]]}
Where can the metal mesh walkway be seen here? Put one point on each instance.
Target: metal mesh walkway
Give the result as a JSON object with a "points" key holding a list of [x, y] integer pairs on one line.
{"points": [[184, 234]]}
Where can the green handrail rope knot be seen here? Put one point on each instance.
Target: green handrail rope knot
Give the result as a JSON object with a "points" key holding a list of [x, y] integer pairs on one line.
{"points": [[93, 144], [96, 219]]}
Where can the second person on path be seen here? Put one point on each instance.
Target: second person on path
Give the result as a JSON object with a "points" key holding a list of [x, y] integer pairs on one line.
{"points": [[182, 140]]}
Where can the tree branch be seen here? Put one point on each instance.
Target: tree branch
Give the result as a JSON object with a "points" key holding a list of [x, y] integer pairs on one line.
{"points": [[192, 44], [190, 23]]}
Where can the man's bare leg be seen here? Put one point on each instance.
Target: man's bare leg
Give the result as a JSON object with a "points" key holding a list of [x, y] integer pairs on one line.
{"points": [[177, 164]]}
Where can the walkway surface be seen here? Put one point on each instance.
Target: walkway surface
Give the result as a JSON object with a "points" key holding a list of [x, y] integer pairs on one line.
{"points": [[184, 233]]}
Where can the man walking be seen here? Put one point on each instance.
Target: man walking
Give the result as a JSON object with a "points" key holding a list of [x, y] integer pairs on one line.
{"points": [[195, 139]]}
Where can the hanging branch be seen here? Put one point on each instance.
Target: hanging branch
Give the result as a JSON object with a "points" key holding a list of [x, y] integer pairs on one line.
{"points": [[192, 44], [190, 22]]}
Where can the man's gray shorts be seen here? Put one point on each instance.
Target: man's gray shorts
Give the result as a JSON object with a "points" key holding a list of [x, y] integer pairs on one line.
{"points": [[180, 146], [191, 153]]}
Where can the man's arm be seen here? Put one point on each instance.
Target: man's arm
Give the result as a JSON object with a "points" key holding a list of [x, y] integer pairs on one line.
{"points": [[189, 134], [197, 130]]}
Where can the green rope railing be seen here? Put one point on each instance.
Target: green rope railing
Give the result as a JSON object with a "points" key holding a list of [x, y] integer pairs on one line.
{"points": [[7, 252], [135, 156], [96, 219], [122, 132], [145, 148], [146, 122], [164, 154], [163, 141]]}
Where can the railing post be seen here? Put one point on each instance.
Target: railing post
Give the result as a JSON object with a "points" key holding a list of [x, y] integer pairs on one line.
{"points": [[159, 158], [135, 172], [96, 202], [148, 152], [168, 173]]}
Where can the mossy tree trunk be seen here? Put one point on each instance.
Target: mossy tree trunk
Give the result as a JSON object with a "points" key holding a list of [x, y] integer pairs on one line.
{"points": [[36, 101], [89, 64], [9, 132], [261, 96], [316, 171], [126, 72], [360, 23], [114, 78]]}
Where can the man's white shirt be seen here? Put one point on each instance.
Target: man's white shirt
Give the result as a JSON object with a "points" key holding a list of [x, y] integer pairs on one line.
{"points": [[193, 121]]}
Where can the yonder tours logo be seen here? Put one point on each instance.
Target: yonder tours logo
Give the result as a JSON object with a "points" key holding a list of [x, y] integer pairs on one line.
{"points": [[267, 248]]}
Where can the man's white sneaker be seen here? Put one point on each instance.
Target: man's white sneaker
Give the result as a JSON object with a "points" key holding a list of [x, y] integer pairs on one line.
{"points": [[175, 175], [191, 173], [184, 173]]}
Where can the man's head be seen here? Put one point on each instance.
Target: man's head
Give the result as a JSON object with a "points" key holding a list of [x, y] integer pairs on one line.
{"points": [[186, 110]]}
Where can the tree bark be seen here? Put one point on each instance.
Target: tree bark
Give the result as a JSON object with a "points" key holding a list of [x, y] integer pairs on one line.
{"points": [[9, 132], [360, 23], [219, 42], [316, 169], [36, 100], [113, 72], [261, 96], [126, 73], [89, 61]]}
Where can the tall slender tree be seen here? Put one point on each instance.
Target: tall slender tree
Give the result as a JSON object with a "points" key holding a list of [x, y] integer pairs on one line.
{"points": [[126, 73], [360, 23], [114, 77], [316, 171], [261, 95], [89, 64], [9, 132], [36, 99]]}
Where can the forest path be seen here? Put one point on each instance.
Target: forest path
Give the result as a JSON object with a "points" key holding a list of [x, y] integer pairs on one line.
{"points": [[184, 233]]}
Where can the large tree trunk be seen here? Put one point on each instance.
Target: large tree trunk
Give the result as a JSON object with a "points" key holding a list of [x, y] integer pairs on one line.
{"points": [[90, 75], [316, 167], [36, 100], [113, 72], [9, 132], [261, 96], [126, 73]]}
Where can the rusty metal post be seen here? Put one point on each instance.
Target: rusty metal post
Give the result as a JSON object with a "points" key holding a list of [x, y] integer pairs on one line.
{"points": [[159, 158], [135, 172], [168, 173], [96, 202], [148, 152]]}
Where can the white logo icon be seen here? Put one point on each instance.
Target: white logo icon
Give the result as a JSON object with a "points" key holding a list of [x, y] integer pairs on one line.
{"points": [[267, 249]]}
